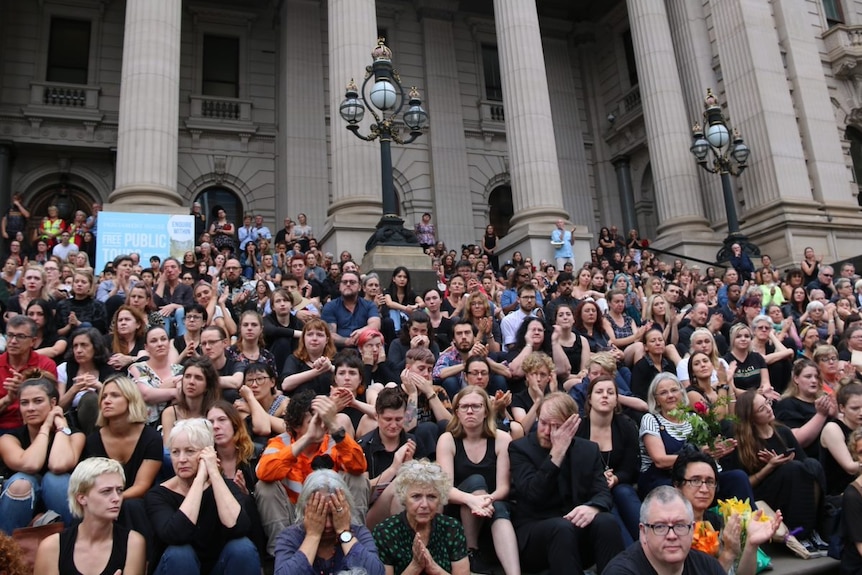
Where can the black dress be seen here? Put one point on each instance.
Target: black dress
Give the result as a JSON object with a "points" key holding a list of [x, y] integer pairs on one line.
{"points": [[117, 560], [836, 478], [794, 413]]}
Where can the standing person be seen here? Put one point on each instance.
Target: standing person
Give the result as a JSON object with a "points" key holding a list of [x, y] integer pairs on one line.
{"points": [[425, 232], [197, 516], [98, 544], [475, 456], [223, 232], [199, 218], [51, 227], [14, 220], [489, 246], [302, 231], [562, 240], [18, 357], [562, 517]]}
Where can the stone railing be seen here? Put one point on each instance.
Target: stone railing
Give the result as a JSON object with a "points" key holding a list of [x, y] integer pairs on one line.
{"points": [[492, 111], [220, 109], [630, 102], [66, 96], [844, 49]]}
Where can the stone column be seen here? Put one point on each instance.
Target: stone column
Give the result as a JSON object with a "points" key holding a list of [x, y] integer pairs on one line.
{"points": [[149, 107], [623, 169], [536, 186], [356, 185], [679, 203], [303, 170], [453, 203]]}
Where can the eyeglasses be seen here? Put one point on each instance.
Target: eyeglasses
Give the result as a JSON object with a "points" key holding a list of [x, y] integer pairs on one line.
{"points": [[18, 336], [830, 359], [210, 342], [256, 380], [662, 529], [763, 328], [827, 275], [474, 407], [699, 481], [194, 316], [477, 373]]}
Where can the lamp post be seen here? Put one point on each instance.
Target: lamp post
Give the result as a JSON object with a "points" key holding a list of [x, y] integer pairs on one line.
{"points": [[385, 99], [729, 157]]}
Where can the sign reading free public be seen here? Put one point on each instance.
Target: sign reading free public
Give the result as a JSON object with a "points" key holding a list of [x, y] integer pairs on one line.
{"points": [[148, 235]]}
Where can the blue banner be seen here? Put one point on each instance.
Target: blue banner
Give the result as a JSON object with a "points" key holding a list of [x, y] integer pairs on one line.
{"points": [[148, 235]]}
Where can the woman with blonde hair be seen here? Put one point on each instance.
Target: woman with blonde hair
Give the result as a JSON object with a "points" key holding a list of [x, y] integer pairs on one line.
{"points": [[98, 544], [805, 406], [475, 455], [477, 310], [657, 311], [35, 286]]}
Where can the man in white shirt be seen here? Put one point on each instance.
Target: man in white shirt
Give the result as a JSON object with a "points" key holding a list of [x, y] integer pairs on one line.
{"points": [[526, 306]]}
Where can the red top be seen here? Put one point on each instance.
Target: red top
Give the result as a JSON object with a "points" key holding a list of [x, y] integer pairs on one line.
{"points": [[11, 417]]}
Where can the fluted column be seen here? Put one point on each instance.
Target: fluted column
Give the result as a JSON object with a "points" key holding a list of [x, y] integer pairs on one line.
{"points": [[680, 206], [453, 204], [755, 82], [536, 186], [356, 185], [623, 169], [149, 106], [303, 170]]}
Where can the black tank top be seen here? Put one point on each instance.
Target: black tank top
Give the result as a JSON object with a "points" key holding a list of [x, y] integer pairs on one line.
{"points": [[117, 560], [487, 468]]}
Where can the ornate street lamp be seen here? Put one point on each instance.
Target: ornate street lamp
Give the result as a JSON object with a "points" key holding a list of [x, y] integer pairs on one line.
{"points": [[729, 156], [385, 99]]}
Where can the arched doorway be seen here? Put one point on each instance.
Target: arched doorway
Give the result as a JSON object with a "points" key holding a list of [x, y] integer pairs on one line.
{"points": [[221, 197], [502, 209], [68, 198]]}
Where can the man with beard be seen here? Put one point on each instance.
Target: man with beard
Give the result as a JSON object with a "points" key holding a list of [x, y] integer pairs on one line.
{"points": [[565, 283], [527, 295], [348, 314], [448, 371], [238, 287], [562, 517]]}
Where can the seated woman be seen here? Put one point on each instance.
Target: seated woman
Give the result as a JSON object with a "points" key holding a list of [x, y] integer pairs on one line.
{"points": [[653, 362], [81, 377], [700, 370], [417, 331], [250, 346], [663, 435], [261, 403], [348, 390], [47, 342], [603, 364], [695, 474], [196, 515], [475, 456], [574, 345], [82, 309], [532, 337], [327, 537], [140, 298], [128, 337], [233, 446], [218, 313], [805, 407], [198, 391], [281, 329], [626, 333], [157, 377], [310, 366], [372, 349], [537, 368], [189, 343], [830, 366], [421, 539], [477, 310], [703, 341], [839, 464], [617, 437], [477, 371], [777, 467], [778, 357], [751, 369], [40, 455], [97, 544], [851, 555]]}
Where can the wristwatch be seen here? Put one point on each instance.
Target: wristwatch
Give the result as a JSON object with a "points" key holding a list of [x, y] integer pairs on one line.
{"points": [[345, 536], [65, 430]]}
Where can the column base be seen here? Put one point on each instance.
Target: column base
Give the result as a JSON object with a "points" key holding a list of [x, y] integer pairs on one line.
{"points": [[533, 239], [348, 232], [391, 232], [143, 196], [382, 259]]}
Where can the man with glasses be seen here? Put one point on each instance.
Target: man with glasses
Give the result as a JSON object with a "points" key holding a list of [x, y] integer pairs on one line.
{"points": [[562, 516], [527, 305], [666, 534], [18, 357], [823, 282], [214, 341], [349, 314], [522, 275], [238, 287]]}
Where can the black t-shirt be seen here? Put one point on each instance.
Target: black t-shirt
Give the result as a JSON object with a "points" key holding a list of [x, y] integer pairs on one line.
{"points": [[148, 447], [794, 413], [851, 562], [747, 372], [633, 561], [22, 434], [321, 384]]}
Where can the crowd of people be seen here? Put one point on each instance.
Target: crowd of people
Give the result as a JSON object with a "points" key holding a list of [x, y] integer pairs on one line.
{"points": [[261, 400]]}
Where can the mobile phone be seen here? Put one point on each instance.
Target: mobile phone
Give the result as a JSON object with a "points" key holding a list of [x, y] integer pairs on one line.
{"points": [[789, 451]]}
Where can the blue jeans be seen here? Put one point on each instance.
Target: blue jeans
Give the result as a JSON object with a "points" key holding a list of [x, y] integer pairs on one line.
{"points": [[49, 488], [627, 508], [239, 557]]}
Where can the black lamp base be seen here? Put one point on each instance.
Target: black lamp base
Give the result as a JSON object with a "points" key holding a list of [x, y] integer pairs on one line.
{"points": [[725, 252], [391, 232]]}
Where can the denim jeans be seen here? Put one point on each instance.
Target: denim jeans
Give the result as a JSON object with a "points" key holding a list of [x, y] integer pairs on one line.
{"points": [[49, 488], [627, 508], [239, 557]]}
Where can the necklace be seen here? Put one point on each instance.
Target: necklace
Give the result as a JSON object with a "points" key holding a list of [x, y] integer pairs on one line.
{"points": [[606, 460]]}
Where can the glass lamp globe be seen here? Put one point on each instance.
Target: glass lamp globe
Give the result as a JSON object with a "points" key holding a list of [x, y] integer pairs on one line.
{"points": [[383, 95], [352, 110], [718, 135]]}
